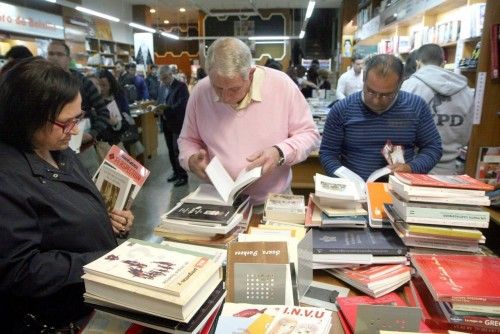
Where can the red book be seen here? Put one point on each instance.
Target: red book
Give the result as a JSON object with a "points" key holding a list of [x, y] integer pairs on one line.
{"points": [[464, 279], [443, 181]]}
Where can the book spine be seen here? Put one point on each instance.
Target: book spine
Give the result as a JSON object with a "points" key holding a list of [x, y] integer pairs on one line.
{"points": [[494, 36], [449, 215], [384, 251], [431, 221]]}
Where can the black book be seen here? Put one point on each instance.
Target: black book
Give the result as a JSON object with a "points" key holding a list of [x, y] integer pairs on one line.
{"points": [[170, 326]]}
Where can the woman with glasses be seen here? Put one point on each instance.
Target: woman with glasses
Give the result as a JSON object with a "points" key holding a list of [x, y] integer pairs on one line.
{"points": [[53, 217]]}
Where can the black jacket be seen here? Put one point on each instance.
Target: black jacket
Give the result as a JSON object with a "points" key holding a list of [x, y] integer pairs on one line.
{"points": [[53, 221], [176, 101]]}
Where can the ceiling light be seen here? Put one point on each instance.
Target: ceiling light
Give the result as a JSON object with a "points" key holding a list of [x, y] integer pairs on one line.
{"points": [[140, 26], [182, 9], [272, 38], [78, 23], [53, 1], [95, 13], [152, 10], [302, 33], [166, 21], [281, 41], [310, 8], [166, 34]]}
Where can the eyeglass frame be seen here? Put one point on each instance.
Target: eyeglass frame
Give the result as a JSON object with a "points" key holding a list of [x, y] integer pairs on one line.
{"points": [[69, 125], [384, 96]]}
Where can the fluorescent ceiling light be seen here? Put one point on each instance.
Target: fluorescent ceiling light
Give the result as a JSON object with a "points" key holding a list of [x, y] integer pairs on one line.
{"points": [[166, 21], [310, 8], [271, 42], [140, 26], [166, 34], [182, 9], [78, 23], [53, 1], [95, 13], [152, 10], [302, 33], [269, 38]]}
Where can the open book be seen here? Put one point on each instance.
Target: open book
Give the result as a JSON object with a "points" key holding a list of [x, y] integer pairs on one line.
{"points": [[223, 190], [360, 184], [119, 179]]}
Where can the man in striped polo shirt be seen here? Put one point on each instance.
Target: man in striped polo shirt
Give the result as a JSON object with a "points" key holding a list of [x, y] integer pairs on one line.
{"points": [[358, 127]]}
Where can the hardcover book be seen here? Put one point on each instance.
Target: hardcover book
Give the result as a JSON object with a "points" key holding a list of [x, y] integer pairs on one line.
{"points": [[357, 241], [468, 279], [443, 181], [154, 266]]}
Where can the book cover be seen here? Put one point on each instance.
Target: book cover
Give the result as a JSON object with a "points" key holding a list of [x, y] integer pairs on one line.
{"points": [[202, 213], [227, 188], [485, 322], [285, 207], [252, 252], [114, 187], [313, 214], [343, 221], [336, 188], [154, 266], [443, 181], [357, 241], [378, 195], [333, 210], [468, 279]]}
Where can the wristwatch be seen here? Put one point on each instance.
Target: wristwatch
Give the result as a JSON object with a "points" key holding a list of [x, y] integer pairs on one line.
{"points": [[281, 160]]}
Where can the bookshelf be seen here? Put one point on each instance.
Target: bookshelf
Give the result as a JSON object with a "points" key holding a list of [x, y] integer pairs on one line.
{"points": [[105, 53]]}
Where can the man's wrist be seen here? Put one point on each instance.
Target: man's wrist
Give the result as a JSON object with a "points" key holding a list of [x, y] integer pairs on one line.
{"points": [[281, 159]]}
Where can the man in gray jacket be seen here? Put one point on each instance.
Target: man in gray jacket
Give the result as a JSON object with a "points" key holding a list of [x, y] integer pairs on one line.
{"points": [[450, 101]]}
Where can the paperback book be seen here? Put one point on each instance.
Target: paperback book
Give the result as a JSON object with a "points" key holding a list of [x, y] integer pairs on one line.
{"points": [[285, 207], [443, 181]]}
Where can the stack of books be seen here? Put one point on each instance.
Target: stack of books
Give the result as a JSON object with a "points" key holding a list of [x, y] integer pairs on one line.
{"points": [[328, 216], [214, 214], [374, 280], [458, 292], [158, 280], [284, 208], [348, 247], [438, 211]]}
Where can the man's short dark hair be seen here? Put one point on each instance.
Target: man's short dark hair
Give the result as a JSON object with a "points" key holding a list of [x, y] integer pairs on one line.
{"points": [[131, 65], [382, 64], [18, 52], [119, 62], [430, 54], [32, 93], [356, 56], [63, 44]]}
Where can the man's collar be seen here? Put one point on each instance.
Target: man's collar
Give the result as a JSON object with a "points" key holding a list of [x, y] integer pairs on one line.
{"points": [[255, 92]]}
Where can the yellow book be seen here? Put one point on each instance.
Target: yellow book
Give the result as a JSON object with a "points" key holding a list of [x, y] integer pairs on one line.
{"points": [[449, 232]]}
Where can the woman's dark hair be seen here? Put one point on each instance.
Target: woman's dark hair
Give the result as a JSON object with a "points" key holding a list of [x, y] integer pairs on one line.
{"points": [[200, 73], [32, 93], [18, 52], [114, 86], [410, 64]]}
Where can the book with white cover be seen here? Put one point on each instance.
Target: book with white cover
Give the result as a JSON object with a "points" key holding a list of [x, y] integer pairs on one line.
{"points": [[114, 111], [346, 173], [154, 266], [336, 188], [114, 187], [227, 188], [285, 207]]}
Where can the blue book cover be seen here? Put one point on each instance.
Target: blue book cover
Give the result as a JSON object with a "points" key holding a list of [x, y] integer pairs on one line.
{"points": [[357, 241]]}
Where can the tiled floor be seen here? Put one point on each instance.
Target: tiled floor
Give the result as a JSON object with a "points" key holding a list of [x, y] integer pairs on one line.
{"points": [[157, 195]]}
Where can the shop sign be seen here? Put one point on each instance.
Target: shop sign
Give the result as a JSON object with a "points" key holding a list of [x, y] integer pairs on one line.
{"points": [[30, 22]]}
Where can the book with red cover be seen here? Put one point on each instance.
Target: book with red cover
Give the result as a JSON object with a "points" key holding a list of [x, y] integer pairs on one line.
{"points": [[465, 279], [443, 181], [349, 307]]}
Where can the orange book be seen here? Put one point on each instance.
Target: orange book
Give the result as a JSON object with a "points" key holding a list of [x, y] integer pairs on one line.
{"points": [[377, 196]]}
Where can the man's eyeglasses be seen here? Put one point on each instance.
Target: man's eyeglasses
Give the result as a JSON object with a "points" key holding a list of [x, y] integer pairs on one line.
{"points": [[69, 125], [383, 96]]}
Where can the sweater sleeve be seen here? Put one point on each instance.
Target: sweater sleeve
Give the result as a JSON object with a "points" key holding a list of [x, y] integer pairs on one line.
{"points": [[428, 142], [333, 136]]}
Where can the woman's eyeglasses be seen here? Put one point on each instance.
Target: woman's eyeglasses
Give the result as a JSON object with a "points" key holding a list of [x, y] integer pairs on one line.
{"points": [[69, 125]]}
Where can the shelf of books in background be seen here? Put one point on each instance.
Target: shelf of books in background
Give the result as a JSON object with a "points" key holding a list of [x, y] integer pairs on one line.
{"points": [[119, 178], [439, 212], [166, 287], [214, 214]]}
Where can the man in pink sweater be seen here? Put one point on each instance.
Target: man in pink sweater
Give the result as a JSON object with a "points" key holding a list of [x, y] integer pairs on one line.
{"points": [[248, 116]]}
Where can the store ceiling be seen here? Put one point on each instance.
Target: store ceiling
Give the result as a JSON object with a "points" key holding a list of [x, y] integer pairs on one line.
{"points": [[169, 9]]}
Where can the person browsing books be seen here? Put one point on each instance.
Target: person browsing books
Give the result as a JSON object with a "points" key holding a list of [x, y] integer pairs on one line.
{"points": [[358, 127], [53, 217], [247, 116], [450, 100]]}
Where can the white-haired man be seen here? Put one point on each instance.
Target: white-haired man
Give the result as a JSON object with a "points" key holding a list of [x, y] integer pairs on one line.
{"points": [[247, 116]]}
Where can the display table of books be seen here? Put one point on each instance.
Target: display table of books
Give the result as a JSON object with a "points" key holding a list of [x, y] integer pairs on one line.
{"points": [[148, 129]]}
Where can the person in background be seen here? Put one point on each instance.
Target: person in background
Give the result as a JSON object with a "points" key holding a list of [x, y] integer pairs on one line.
{"points": [[14, 55], [95, 80], [271, 63], [351, 81], [153, 82], [323, 82], [297, 54], [449, 99], [92, 103], [53, 217], [238, 101], [122, 75], [139, 82], [358, 127], [200, 74], [291, 71], [172, 100], [311, 82], [111, 91], [410, 64]]}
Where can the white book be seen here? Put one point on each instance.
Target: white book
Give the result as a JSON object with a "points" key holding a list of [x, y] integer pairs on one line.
{"points": [[227, 188], [336, 188], [285, 207], [114, 187], [76, 140], [114, 111]]}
